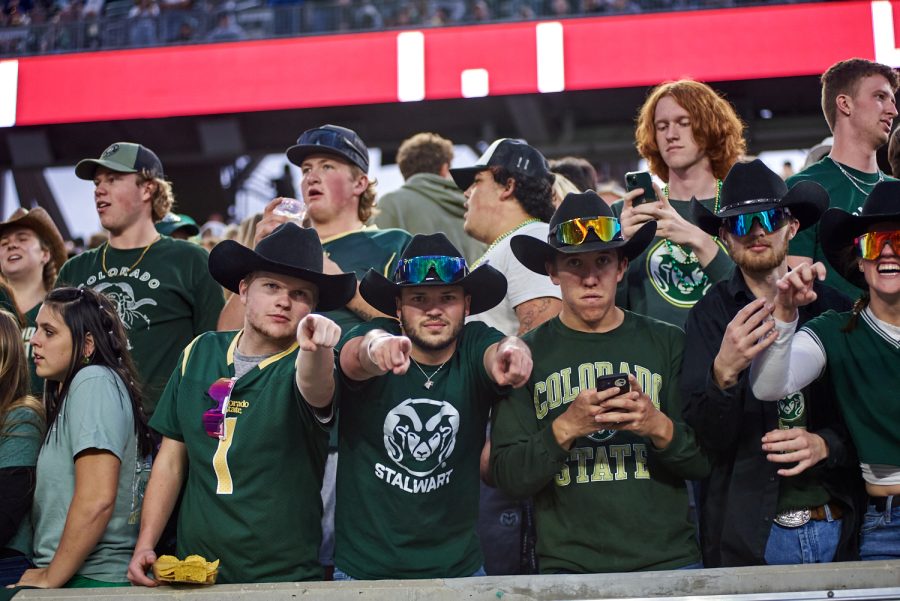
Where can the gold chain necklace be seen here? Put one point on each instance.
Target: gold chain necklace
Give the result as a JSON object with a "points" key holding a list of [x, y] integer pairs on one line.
{"points": [[503, 237], [141, 258]]}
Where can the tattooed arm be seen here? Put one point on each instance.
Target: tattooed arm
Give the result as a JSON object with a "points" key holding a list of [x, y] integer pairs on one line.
{"points": [[536, 311]]}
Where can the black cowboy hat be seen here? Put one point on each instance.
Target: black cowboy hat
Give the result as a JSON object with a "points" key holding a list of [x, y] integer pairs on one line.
{"points": [[838, 228], [484, 284], [534, 253], [289, 250], [751, 188]]}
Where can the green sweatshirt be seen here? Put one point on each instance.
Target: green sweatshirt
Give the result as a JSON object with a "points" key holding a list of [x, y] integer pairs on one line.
{"points": [[613, 502]]}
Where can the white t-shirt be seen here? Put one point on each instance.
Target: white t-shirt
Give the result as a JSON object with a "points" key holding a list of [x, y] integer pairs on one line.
{"points": [[522, 283]]}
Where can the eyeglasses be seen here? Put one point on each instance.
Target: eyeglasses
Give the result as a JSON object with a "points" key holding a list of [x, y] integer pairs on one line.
{"points": [[870, 245], [575, 231], [770, 220], [214, 419], [416, 269]]}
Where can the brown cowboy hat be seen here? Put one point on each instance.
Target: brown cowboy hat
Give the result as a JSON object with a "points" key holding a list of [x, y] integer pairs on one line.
{"points": [[41, 224]]}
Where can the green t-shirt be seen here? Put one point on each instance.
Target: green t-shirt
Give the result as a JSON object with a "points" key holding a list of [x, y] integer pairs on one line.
{"points": [[20, 443], [844, 195], [251, 500], [358, 251], [861, 366], [408, 474], [96, 414], [164, 299], [666, 280], [37, 382], [613, 502]]}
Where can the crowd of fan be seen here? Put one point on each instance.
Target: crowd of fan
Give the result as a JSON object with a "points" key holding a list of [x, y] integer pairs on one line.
{"points": [[45, 26], [497, 354]]}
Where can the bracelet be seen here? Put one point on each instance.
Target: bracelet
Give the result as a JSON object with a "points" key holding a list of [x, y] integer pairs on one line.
{"points": [[369, 346]]}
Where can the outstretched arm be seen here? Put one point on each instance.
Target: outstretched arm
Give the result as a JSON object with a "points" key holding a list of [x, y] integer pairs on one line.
{"points": [[375, 354], [508, 362], [317, 336]]}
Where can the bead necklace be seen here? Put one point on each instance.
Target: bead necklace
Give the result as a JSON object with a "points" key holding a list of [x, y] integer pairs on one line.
{"points": [[429, 382], [689, 256], [141, 258], [857, 182], [503, 237]]}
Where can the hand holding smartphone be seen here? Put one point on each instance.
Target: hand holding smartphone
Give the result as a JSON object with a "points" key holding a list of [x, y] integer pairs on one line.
{"points": [[640, 179], [619, 381]]}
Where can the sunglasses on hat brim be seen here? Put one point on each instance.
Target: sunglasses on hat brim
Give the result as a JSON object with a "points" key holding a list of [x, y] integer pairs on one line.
{"points": [[575, 231], [415, 270], [770, 220], [870, 245]]}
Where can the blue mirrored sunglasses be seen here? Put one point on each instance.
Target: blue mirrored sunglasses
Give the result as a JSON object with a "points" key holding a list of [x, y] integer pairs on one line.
{"points": [[415, 270], [770, 220]]}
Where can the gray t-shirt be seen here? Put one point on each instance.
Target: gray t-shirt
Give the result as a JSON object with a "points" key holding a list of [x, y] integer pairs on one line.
{"points": [[95, 414]]}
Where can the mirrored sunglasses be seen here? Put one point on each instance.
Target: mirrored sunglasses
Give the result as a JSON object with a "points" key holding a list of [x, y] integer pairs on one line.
{"points": [[770, 220], [575, 231], [416, 269], [214, 419], [870, 245]]}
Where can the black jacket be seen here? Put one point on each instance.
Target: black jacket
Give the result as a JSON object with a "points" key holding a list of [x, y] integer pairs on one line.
{"points": [[739, 499]]}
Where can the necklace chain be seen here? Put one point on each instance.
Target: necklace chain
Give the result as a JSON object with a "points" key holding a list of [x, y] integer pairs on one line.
{"points": [[141, 258], [429, 382], [689, 256], [503, 237], [857, 182]]}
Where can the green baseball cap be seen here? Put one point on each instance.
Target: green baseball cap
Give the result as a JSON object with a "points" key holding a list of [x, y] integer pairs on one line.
{"points": [[174, 221], [122, 157]]}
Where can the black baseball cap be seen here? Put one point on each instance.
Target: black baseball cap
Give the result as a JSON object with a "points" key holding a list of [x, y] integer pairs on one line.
{"points": [[513, 155], [122, 157], [330, 139]]}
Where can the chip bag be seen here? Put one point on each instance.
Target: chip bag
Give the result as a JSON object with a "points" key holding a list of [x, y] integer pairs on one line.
{"points": [[194, 569]]}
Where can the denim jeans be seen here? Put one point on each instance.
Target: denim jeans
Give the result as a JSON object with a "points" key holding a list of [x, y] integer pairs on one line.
{"points": [[12, 568], [816, 541], [341, 576], [880, 533]]}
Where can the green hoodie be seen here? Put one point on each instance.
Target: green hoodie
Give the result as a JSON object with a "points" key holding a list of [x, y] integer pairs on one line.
{"points": [[428, 203]]}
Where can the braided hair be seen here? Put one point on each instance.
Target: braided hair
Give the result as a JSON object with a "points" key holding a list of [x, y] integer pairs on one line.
{"points": [[84, 312]]}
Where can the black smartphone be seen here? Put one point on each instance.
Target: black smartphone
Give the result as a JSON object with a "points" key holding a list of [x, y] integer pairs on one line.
{"points": [[640, 179], [613, 381]]}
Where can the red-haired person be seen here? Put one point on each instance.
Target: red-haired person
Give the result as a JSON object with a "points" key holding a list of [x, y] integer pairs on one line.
{"points": [[691, 137]]}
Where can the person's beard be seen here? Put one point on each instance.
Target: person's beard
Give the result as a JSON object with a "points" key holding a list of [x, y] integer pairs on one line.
{"points": [[762, 263], [431, 344]]}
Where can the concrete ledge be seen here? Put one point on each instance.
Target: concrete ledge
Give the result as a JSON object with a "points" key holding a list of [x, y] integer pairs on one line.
{"points": [[852, 580]]}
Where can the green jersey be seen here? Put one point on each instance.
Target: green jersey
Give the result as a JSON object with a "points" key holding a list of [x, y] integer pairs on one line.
{"points": [[252, 499], [861, 366], [165, 297], [844, 193], [359, 250], [666, 280], [612, 502], [408, 475]]}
